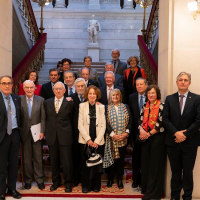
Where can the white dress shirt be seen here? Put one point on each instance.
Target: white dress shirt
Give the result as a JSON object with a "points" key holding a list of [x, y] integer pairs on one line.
{"points": [[108, 91], [184, 100], [31, 100], [60, 102], [73, 89]]}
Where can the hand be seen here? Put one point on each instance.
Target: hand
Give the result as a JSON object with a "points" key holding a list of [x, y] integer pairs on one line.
{"points": [[95, 145], [180, 137], [117, 137], [142, 131], [144, 135], [90, 143], [41, 136], [69, 99]]}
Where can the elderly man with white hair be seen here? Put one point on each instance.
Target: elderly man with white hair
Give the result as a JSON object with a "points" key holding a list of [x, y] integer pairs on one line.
{"points": [[106, 90], [59, 136], [32, 113]]}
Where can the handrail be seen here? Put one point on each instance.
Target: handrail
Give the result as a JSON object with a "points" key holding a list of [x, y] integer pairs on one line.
{"points": [[153, 66], [32, 18], [153, 9], [29, 59]]}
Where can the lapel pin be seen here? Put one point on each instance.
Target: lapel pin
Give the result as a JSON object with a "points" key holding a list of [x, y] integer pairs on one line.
{"points": [[190, 97]]}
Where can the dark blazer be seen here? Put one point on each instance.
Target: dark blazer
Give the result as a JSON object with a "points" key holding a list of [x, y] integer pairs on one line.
{"points": [[190, 119], [121, 67], [47, 91], [92, 82], [60, 124], [37, 116], [104, 99], [76, 101], [3, 114], [118, 80], [62, 76]]}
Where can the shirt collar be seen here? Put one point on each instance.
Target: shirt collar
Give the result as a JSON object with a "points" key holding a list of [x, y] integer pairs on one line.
{"points": [[185, 95], [139, 95], [29, 98], [110, 87], [4, 96], [61, 99]]}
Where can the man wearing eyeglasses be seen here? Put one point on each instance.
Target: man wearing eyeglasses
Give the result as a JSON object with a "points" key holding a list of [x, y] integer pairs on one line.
{"points": [[59, 136], [9, 138], [32, 113]]}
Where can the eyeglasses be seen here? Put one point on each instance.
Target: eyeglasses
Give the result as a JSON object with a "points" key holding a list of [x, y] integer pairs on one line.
{"points": [[29, 88], [6, 84], [58, 89]]}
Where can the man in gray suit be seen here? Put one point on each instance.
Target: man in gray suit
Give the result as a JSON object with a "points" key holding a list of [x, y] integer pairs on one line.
{"points": [[118, 65], [118, 78], [32, 113]]}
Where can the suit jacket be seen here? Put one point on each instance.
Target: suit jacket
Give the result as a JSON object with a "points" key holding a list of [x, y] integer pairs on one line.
{"points": [[93, 74], [190, 119], [37, 116], [92, 82], [104, 98], [47, 91], [3, 114], [84, 123], [120, 68], [62, 76], [118, 80], [76, 101], [60, 124]]}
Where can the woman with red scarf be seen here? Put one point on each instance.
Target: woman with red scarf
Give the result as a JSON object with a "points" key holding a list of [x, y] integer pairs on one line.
{"points": [[153, 154], [131, 74]]}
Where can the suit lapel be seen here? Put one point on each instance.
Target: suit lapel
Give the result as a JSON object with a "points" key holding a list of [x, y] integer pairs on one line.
{"points": [[87, 113], [35, 105], [177, 104], [16, 106], [3, 104], [97, 114], [62, 105], [24, 105], [188, 100]]}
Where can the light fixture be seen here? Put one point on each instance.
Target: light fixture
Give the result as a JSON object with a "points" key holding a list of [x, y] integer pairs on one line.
{"points": [[194, 6]]}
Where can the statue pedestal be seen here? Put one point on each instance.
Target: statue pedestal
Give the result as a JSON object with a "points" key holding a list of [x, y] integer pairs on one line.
{"points": [[94, 4], [128, 3], [93, 51], [60, 4]]}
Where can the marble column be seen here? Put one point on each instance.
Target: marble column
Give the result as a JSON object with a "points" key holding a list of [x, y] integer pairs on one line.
{"points": [[60, 4], [179, 50], [6, 37], [94, 4]]}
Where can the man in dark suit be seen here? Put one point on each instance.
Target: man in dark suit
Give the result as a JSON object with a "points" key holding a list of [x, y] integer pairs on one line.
{"points": [[181, 118], [9, 138], [47, 88], [118, 78], [136, 101], [69, 78], [85, 73], [32, 113], [59, 136], [118, 65], [105, 91], [77, 98]]}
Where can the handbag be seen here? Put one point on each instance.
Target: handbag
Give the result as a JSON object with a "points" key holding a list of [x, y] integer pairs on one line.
{"points": [[94, 159]]}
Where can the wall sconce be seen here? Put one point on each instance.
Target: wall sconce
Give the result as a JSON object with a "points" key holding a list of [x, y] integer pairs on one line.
{"points": [[194, 6]]}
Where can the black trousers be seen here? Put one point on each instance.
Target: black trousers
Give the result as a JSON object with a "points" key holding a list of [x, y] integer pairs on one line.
{"points": [[136, 163], [61, 154], [153, 166], [118, 166], [9, 155], [182, 160], [33, 160], [95, 182], [77, 165]]}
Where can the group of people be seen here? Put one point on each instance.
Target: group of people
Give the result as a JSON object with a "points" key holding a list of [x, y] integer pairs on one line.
{"points": [[77, 111]]}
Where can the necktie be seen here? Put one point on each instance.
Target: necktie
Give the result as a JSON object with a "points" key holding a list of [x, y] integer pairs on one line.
{"points": [[141, 102], [81, 99], [70, 91], [29, 108], [57, 105], [181, 102], [110, 89], [114, 64], [9, 112]]}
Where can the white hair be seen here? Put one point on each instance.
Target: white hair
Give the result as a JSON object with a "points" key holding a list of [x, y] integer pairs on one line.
{"points": [[28, 81], [116, 50], [79, 80], [108, 63], [184, 73], [109, 72], [59, 82]]}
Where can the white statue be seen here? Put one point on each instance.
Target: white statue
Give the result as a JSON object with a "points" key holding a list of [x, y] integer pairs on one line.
{"points": [[93, 29]]}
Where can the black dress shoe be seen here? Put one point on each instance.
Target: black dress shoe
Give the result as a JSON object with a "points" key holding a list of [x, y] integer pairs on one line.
{"points": [[2, 197], [120, 184], [41, 186], [14, 193], [96, 190], [135, 185], [55, 186], [68, 188], [109, 184], [27, 186], [85, 190]]}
